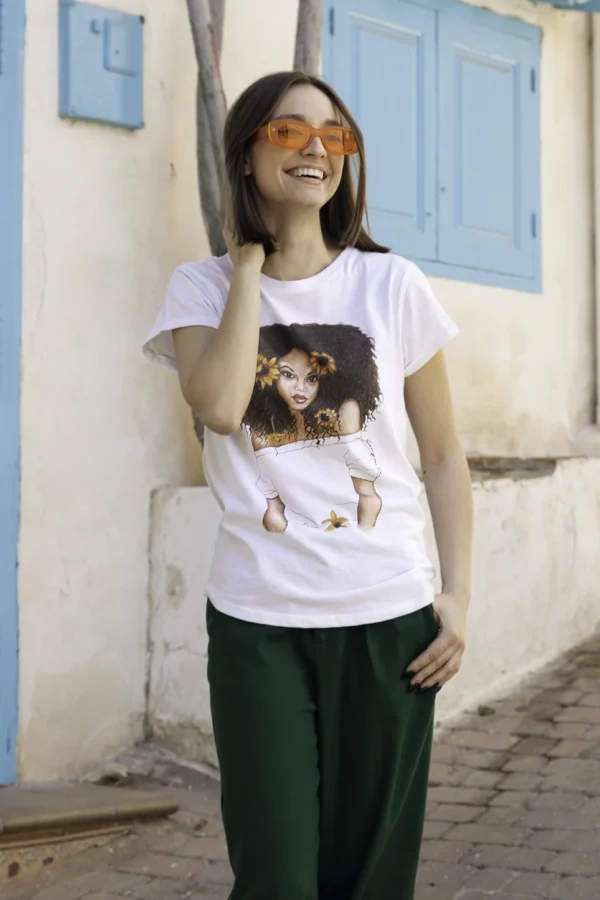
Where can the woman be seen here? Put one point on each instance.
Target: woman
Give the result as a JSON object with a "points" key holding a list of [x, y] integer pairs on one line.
{"points": [[325, 646], [314, 384]]}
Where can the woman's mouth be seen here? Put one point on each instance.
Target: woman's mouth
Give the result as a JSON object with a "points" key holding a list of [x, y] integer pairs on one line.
{"points": [[299, 399]]}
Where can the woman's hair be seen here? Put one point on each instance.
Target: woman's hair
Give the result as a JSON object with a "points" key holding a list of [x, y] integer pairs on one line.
{"points": [[345, 359], [342, 216]]}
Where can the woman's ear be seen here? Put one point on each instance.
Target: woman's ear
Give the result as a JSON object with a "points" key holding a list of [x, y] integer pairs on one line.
{"points": [[247, 167]]}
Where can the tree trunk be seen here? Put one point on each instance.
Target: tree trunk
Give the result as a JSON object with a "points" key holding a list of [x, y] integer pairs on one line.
{"points": [[308, 37], [206, 19]]}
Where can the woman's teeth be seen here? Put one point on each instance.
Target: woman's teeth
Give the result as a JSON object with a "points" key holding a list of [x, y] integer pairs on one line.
{"points": [[307, 173]]}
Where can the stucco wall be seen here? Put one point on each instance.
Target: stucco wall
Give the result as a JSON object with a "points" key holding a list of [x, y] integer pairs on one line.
{"points": [[108, 215], [535, 592]]}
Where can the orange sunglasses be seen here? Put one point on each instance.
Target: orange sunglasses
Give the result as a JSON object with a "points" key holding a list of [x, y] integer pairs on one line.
{"points": [[294, 135]]}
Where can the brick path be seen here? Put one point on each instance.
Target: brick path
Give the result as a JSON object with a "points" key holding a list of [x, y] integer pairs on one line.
{"points": [[514, 812]]}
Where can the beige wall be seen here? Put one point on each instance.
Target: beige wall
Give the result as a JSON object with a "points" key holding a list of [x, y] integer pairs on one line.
{"points": [[108, 215]]}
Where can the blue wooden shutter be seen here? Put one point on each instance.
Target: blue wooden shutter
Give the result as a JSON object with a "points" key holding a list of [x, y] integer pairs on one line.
{"points": [[383, 65], [488, 143]]}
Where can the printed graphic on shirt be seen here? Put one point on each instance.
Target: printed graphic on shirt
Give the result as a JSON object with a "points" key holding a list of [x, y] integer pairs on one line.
{"points": [[316, 389]]}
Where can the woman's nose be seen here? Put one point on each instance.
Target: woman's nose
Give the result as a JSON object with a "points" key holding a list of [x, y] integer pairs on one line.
{"points": [[315, 148]]}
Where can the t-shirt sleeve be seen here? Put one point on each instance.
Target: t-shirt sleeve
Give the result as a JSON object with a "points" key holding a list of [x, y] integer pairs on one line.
{"points": [[192, 298], [426, 326]]}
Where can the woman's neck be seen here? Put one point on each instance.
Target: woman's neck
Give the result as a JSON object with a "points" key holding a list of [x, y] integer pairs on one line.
{"points": [[302, 250]]}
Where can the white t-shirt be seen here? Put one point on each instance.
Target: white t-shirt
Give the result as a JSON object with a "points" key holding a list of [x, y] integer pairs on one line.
{"points": [[322, 524]]}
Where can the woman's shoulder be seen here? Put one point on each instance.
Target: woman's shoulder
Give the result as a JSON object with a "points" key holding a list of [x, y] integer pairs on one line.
{"points": [[390, 264], [214, 270]]}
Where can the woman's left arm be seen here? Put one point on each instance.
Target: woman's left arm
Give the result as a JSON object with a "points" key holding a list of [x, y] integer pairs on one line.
{"points": [[448, 487]]}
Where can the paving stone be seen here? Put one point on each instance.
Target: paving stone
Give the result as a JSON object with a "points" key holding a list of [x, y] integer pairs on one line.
{"points": [[487, 834], [575, 888], [523, 763], [219, 872], [481, 778], [489, 880], [513, 798], [573, 775], [435, 830], [564, 730], [502, 815], [524, 859], [482, 740], [460, 795], [450, 875], [576, 864], [588, 714], [449, 812], [520, 781], [571, 749], [588, 842], [157, 865], [538, 884], [208, 848], [109, 882], [558, 800], [444, 851], [434, 892], [534, 746], [484, 895]]}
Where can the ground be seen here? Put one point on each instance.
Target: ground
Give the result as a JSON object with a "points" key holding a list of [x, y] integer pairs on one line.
{"points": [[514, 812]]}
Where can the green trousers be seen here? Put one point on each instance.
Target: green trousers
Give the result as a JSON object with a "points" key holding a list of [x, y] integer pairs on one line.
{"points": [[324, 756]]}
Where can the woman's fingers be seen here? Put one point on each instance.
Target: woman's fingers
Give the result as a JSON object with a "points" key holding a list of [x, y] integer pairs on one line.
{"points": [[441, 660], [446, 653], [444, 674]]}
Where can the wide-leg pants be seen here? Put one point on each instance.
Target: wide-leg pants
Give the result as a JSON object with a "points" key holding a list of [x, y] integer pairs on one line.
{"points": [[324, 756]]}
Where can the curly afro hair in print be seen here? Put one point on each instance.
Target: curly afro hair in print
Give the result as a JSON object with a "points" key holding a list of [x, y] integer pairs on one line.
{"points": [[342, 357]]}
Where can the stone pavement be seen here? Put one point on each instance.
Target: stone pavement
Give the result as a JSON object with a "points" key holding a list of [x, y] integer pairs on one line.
{"points": [[514, 812]]}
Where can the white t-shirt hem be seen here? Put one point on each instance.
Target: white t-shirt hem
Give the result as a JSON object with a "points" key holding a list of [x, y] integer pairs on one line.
{"points": [[358, 616]]}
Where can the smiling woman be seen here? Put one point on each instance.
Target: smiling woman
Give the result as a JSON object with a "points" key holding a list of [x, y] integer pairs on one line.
{"points": [[301, 350]]}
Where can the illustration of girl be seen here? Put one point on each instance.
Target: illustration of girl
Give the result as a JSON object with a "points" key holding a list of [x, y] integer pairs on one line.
{"points": [[316, 388]]}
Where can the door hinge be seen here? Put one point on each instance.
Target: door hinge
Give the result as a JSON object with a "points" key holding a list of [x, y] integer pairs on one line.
{"points": [[533, 81], [533, 225], [331, 20]]}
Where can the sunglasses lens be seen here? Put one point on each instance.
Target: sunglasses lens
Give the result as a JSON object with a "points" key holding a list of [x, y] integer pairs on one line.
{"points": [[350, 145], [289, 134]]}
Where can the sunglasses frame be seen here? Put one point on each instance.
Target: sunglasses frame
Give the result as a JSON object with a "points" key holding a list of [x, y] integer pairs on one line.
{"points": [[268, 129]]}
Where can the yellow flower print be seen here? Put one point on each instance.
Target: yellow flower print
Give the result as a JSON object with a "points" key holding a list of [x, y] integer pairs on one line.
{"points": [[323, 363], [267, 370], [335, 522], [327, 421]]}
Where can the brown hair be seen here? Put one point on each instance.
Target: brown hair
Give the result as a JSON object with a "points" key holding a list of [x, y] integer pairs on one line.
{"points": [[341, 217]]}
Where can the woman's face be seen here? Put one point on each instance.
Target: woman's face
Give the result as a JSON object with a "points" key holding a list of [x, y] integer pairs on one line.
{"points": [[276, 170], [298, 383]]}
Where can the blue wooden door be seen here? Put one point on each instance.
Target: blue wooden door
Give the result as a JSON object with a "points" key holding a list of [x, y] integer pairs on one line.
{"points": [[12, 28]]}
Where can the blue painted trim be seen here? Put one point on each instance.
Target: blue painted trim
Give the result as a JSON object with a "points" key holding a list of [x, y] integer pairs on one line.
{"points": [[11, 190], [480, 276]]}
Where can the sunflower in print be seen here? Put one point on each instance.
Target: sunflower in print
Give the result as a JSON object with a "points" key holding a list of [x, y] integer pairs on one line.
{"points": [[335, 522], [327, 420], [266, 371], [323, 363]]}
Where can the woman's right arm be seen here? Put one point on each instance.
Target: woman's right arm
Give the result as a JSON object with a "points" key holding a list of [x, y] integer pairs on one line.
{"points": [[217, 367]]}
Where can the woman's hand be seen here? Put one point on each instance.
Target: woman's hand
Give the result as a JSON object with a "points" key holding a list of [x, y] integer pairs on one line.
{"points": [[253, 254], [441, 661]]}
